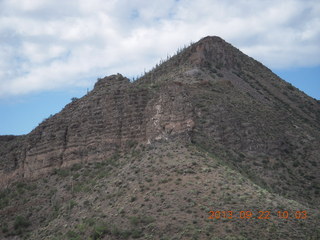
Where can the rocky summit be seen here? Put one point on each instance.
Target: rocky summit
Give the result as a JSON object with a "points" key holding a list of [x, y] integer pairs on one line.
{"points": [[209, 144]]}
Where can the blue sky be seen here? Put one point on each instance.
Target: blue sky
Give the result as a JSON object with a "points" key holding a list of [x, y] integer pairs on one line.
{"points": [[53, 50]]}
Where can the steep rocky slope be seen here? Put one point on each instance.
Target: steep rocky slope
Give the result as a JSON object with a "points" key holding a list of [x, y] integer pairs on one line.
{"points": [[234, 121]]}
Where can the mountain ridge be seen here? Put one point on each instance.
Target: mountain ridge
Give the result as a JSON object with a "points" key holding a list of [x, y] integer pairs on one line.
{"points": [[217, 105], [210, 63]]}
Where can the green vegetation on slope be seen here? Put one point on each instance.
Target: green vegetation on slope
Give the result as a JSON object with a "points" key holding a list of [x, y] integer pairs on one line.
{"points": [[160, 191]]}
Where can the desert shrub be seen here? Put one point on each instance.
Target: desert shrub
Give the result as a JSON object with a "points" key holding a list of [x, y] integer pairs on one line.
{"points": [[4, 200], [220, 75], [113, 160], [213, 70], [143, 220], [72, 204], [76, 167], [134, 220], [73, 235], [81, 187], [290, 87], [4, 228], [99, 231], [62, 172], [219, 66], [296, 163], [21, 223], [131, 143], [136, 233]]}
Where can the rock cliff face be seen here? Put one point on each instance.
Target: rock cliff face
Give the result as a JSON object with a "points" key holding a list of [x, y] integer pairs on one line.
{"points": [[111, 118], [210, 94]]}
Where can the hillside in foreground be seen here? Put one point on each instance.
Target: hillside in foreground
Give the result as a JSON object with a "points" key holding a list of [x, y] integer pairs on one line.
{"points": [[164, 191]]}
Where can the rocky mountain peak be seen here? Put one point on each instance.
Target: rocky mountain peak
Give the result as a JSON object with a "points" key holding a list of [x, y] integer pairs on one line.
{"points": [[215, 52], [207, 57], [209, 94]]}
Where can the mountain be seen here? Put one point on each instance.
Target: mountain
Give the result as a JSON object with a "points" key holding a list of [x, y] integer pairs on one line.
{"points": [[209, 129]]}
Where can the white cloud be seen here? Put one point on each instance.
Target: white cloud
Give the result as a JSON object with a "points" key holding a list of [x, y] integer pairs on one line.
{"points": [[55, 44], [41, 53]]}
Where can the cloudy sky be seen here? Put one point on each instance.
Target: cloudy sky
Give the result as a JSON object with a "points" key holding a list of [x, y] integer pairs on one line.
{"points": [[52, 50]]}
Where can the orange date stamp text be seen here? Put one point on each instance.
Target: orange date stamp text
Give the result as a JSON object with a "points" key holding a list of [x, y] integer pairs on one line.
{"points": [[257, 215]]}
